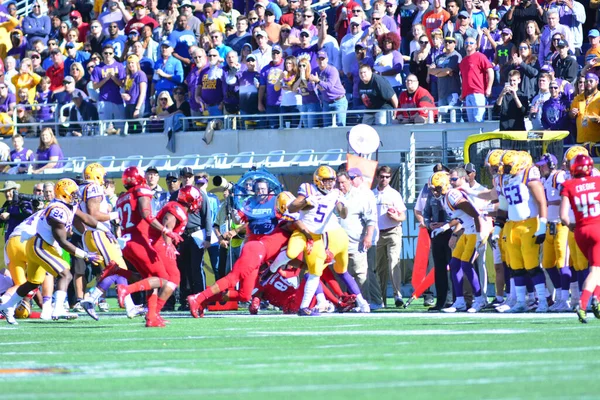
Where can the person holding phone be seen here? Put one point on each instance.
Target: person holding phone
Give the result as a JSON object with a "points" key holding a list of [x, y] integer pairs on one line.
{"points": [[512, 104]]}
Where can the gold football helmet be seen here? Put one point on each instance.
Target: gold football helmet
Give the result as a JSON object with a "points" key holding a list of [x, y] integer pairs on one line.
{"points": [[511, 162], [323, 173], [94, 172], [573, 152], [67, 191], [283, 201], [440, 183]]}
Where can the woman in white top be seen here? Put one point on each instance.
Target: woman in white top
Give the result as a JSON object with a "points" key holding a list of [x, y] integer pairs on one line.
{"points": [[389, 62], [291, 100]]}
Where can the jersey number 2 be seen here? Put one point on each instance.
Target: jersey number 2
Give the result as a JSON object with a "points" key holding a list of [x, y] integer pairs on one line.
{"points": [[588, 204], [125, 220]]}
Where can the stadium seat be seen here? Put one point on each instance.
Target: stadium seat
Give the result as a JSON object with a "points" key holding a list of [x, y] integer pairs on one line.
{"points": [[189, 160], [161, 163], [333, 157], [220, 160], [275, 159], [243, 160], [108, 162], [304, 158], [78, 164], [132, 161]]}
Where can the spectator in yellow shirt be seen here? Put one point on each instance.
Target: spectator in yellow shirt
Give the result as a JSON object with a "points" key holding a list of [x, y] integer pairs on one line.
{"points": [[585, 108], [26, 79]]}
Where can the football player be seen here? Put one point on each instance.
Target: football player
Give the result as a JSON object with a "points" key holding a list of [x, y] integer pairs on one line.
{"points": [[316, 203], [44, 250], [581, 194], [266, 235], [94, 203], [555, 251], [523, 201], [173, 216], [136, 219], [460, 207]]}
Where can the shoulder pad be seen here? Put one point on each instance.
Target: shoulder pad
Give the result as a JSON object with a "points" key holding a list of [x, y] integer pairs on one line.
{"points": [[178, 212], [58, 213], [142, 191], [306, 190]]}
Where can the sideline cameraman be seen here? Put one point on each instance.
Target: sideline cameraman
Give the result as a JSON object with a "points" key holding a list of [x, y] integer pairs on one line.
{"points": [[16, 208]]}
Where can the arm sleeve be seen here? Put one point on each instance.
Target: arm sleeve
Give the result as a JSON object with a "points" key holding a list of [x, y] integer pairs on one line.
{"points": [[178, 74]]}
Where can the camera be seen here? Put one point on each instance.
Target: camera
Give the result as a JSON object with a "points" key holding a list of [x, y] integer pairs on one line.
{"points": [[35, 200], [221, 182]]}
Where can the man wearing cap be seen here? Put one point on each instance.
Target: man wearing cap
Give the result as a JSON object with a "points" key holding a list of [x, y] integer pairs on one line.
{"points": [[271, 27], [191, 251], [19, 45], [288, 17], [519, 15], [140, 18], [173, 184], [572, 15], [477, 79], [585, 109], [565, 65], [36, 25], [248, 88], [269, 91], [307, 50], [82, 111], [552, 28], [464, 32], [505, 52], [446, 68], [263, 53], [359, 224], [434, 19], [168, 71], [108, 77], [594, 50], [114, 13], [491, 36], [82, 27], [211, 83], [74, 55], [308, 20], [56, 72], [183, 38], [333, 95], [269, 6], [348, 45], [376, 93], [211, 22], [159, 196], [241, 35], [115, 39], [186, 8]]}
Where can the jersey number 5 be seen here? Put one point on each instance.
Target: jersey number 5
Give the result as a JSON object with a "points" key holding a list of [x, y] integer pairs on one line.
{"points": [[588, 204], [320, 213], [125, 216]]}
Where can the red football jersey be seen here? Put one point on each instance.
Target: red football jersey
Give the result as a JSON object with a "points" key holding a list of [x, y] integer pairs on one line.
{"points": [[280, 291], [178, 211], [129, 213], [584, 196]]}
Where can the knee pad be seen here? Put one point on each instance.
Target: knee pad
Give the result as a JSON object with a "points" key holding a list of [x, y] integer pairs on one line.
{"points": [[518, 273], [535, 271]]}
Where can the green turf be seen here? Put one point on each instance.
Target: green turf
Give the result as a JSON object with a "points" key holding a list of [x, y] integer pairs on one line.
{"points": [[388, 355]]}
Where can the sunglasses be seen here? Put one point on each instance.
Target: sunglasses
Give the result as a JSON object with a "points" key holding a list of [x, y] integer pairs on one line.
{"points": [[307, 15], [253, 19], [108, 53], [34, 56], [554, 87], [95, 27], [556, 39], [285, 31], [356, 11], [453, 179], [3, 87], [168, 23], [385, 176], [171, 180], [304, 35], [213, 55], [35, 6], [90, 67], [469, 42], [177, 92], [375, 19], [423, 43], [449, 41], [163, 99], [523, 48]]}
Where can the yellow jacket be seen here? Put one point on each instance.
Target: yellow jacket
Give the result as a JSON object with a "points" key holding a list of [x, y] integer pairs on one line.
{"points": [[587, 131]]}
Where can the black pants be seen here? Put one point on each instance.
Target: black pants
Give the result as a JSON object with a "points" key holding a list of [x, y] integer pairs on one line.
{"points": [[78, 267], [189, 263], [441, 258], [372, 282]]}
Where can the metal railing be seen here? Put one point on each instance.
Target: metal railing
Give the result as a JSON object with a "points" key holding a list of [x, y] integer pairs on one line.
{"points": [[196, 123]]}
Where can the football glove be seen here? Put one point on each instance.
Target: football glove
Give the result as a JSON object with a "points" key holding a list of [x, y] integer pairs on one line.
{"points": [[176, 238], [496, 233], [440, 230], [93, 258], [540, 234]]}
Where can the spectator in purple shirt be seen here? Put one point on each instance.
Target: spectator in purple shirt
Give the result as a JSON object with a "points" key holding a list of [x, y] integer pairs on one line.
{"points": [[306, 48], [108, 77], [8, 101], [333, 94], [134, 96], [20, 153], [48, 150], [211, 79], [248, 89], [231, 84], [555, 110], [192, 80], [19, 45], [269, 92]]}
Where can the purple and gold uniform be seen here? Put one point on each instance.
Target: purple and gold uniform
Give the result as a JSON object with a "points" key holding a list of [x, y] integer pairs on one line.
{"points": [[555, 252], [15, 250]]}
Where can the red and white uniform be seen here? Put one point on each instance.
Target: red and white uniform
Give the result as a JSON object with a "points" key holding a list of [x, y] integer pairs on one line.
{"points": [[135, 239], [156, 238], [584, 197], [285, 293]]}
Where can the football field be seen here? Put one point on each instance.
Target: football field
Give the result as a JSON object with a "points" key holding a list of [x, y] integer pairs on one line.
{"points": [[383, 355]]}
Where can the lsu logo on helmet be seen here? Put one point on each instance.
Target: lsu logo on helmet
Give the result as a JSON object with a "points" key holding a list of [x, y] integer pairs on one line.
{"points": [[284, 199], [494, 158], [511, 162], [440, 183], [323, 173], [573, 152], [23, 310], [67, 191], [94, 172]]}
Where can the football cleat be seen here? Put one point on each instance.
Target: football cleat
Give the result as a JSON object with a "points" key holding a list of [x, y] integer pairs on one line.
{"points": [[137, 311], [308, 312], [154, 323], [88, 307], [364, 308], [581, 314], [47, 310], [595, 308], [111, 269], [10, 318], [121, 294], [103, 305], [456, 307], [542, 306], [64, 315], [561, 306], [77, 307], [159, 318], [254, 306], [196, 307], [517, 308], [477, 306], [399, 302]]}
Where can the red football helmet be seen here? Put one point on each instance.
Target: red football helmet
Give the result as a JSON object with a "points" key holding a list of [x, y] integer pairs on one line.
{"points": [[582, 165], [133, 176], [190, 197]]}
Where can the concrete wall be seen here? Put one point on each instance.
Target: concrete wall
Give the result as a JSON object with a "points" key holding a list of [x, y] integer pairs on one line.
{"points": [[393, 137]]}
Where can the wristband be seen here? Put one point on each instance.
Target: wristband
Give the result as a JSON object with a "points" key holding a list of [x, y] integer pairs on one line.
{"points": [[113, 215], [166, 230], [101, 227], [79, 253]]}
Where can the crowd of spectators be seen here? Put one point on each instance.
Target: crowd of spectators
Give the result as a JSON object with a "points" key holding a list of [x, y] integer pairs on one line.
{"points": [[82, 61]]}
